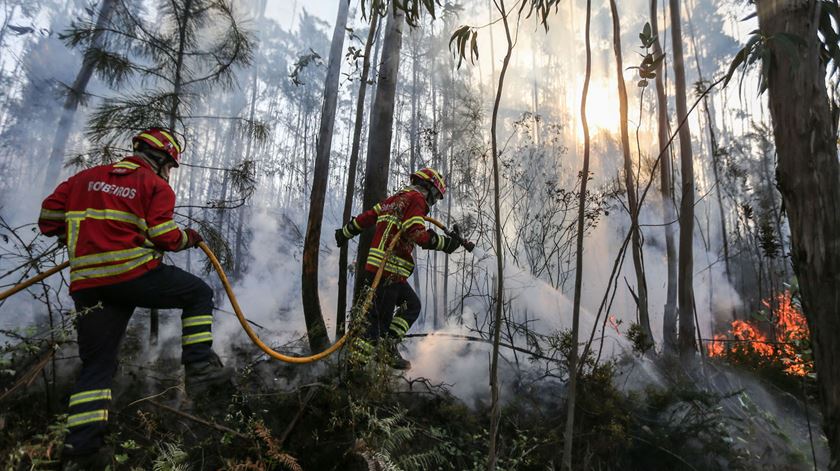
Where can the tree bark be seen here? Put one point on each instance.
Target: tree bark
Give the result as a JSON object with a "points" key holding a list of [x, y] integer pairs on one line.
{"points": [[381, 130], [351, 174], [685, 280], [315, 326], [74, 98], [495, 403], [630, 184], [666, 191], [584, 178], [809, 180]]}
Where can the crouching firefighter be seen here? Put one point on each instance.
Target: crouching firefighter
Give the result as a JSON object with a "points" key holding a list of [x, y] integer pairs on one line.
{"points": [[116, 221], [404, 210]]}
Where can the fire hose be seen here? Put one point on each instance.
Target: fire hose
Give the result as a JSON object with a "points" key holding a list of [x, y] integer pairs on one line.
{"points": [[366, 303]]}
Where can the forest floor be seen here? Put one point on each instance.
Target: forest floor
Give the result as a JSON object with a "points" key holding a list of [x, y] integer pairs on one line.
{"points": [[634, 413]]}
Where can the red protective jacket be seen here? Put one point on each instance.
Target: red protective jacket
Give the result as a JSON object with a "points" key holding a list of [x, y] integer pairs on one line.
{"points": [[117, 219], [404, 209]]}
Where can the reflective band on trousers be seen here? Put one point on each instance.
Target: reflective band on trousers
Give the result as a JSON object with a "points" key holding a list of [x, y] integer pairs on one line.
{"points": [[399, 326], [90, 396], [75, 420], [197, 338], [110, 270], [196, 321]]}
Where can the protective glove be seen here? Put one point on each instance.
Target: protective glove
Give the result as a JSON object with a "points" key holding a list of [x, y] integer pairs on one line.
{"points": [[347, 232], [193, 238], [340, 240], [442, 242]]}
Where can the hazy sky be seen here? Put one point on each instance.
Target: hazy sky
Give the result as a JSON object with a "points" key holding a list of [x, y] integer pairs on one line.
{"points": [[285, 11]]}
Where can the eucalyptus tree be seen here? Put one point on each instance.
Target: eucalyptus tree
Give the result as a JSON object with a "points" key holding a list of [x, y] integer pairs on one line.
{"points": [[798, 41], [630, 186], [381, 131], [666, 192], [687, 340], [309, 284], [352, 167]]}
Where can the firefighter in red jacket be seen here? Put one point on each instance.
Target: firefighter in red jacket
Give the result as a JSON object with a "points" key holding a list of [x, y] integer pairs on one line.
{"points": [[116, 221], [403, 210]]}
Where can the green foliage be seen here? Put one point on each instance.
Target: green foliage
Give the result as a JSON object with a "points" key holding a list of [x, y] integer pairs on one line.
{"points": [[170, 457], [650, 64], [641, 342]]}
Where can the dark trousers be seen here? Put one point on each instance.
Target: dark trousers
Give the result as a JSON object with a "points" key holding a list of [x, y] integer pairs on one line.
{"points": [[382, 322], [104, 313]]}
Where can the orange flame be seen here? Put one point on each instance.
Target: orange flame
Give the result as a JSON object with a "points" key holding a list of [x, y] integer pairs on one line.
{"points": [[788, 328]]}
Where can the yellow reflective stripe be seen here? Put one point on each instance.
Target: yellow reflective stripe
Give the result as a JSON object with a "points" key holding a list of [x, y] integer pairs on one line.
{"points": [[152, 138], [389, 218], [197, 338], [87, 417], [126, 164], [184, 240], [114, 256], [395, 259], [398, 266], [356, 225], [72, 236], [162, 228], [438, 177], [108, 215], [346, 231], [89, 396], [52, 214], [110, 270], [377, 208], [415, 220], [171, 139], [399, 326], [196, 321]]}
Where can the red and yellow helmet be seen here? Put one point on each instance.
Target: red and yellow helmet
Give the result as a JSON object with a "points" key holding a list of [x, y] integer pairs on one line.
{"points": [[161, 140], [430, 176]]}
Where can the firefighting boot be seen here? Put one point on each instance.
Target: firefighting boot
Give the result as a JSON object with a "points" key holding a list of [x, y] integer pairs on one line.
{"points": [[393, 357], [203, 376]]}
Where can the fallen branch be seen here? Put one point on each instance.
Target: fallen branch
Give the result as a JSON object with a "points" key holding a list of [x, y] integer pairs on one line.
{"points": [[201, 421], [28, 378]]}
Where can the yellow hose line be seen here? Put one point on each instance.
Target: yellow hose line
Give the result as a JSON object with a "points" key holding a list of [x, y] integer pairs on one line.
{"points": [[248, 330], [368, 301], [26, 284]]}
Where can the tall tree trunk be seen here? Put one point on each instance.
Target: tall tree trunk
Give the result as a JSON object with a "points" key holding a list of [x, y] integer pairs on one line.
{"points": [[381, 130], [495, 403], [179, 65], [630, 184], [685, 280], [315, 326], [584, 178], [74, 97], [666, 183], [351, 174], [805, 128]]}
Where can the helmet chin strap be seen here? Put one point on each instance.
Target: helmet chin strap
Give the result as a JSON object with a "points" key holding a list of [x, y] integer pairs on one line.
{"points": [[156, 164], [427, 194]]}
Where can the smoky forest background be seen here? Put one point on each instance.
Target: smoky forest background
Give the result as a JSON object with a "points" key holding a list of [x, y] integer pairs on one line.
{"points": [[653, 188]]}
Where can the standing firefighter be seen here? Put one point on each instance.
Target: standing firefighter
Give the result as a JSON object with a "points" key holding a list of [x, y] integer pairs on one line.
{"points": [[116, 221], [404, 210]]}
